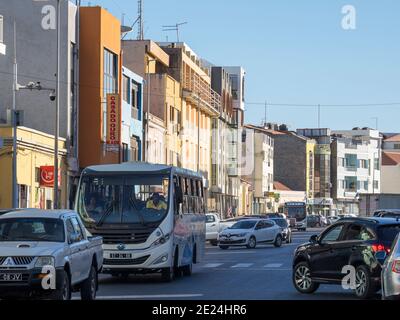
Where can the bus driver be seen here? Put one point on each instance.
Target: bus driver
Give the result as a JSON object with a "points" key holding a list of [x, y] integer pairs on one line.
{"points": [[156, 202]]}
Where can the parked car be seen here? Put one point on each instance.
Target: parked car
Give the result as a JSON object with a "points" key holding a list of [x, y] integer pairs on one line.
{"points": [[315, 221], [387, 213], [350, 241], [332, 219], [249, 233], [213, 227], [390, 271], [31, 240], [286, 231]]}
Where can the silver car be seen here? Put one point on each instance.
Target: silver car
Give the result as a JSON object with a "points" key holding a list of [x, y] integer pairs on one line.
{"points": [[391, 271]]}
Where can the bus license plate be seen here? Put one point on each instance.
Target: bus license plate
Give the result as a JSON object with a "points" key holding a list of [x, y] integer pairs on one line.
{"points": [[11, 277], [120, 255]]}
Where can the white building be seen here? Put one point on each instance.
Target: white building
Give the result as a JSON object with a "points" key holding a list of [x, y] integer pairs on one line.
{"points": [[262, 176], [155, 140], [356, 167], [391, 143]]}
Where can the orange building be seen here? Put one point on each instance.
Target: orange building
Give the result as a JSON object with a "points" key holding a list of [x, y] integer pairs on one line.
{"points": [[100, 62]]}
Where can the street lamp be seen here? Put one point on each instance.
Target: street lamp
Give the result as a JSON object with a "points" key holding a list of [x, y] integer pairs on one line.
{"points": [[57, 98]]}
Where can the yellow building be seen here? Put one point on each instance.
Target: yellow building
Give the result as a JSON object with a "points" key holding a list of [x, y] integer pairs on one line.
{"points": [[200, 103], [35, 168]]}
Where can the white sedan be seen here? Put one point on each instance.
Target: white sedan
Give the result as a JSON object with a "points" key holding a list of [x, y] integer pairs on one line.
{"points": [[249, 233]]}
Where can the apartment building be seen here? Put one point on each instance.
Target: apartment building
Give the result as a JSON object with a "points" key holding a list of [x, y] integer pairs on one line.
{"points": [[100, 88], [262, 176], [356, 167], [132, 115], [200, 103]]}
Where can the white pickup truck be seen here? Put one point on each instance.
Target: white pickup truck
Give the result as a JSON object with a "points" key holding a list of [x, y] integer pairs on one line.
{"points": [[47, 254], [214, 225]]}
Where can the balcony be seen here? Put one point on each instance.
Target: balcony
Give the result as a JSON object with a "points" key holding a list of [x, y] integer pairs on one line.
{"points": [[196, 89]]}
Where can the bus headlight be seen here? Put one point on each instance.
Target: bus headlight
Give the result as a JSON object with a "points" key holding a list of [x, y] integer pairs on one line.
{"points": [[161, 240]]}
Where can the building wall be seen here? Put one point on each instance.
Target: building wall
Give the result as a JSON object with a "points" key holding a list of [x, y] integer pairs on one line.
{"points": [[390, 179], [156, 150], [36, 57], [34, 149], [290, 161], [99, 30]]}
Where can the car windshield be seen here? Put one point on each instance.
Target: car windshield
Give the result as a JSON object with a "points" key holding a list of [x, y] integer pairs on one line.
{"points": [[281, 222], [244, 224], [388, 233], [32, 229], [123, 199], [210, 218]]}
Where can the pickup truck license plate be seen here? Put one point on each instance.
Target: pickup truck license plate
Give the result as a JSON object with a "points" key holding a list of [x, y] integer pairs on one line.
{"points": [[11, 277], [120, 255]]}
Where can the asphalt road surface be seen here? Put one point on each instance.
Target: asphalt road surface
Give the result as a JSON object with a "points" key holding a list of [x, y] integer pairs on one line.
{"points": [[263, 273]]}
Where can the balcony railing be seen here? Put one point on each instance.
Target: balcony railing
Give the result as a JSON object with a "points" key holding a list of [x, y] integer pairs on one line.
{"points": [[203, 91]]}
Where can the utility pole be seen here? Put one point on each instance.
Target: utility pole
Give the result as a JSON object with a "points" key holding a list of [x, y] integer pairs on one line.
{"points": [[14, 124], [140, 35], [198, 132], [57, 124]]}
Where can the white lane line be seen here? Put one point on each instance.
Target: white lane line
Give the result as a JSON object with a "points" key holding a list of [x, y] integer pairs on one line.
{"points": [[154, 296], [242, 265], [212, 265], [273, 265]]}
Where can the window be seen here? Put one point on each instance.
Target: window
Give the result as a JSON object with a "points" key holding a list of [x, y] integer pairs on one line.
{"points": [[376, 164], [126, 89], [332, 234], [351, 184], [363, 164], [134, 149], [171, 114], [77, 229], [210, 219], [110, 82], [351, 161], [125, 152], [365, 185], [396, 146], [376, 184]]}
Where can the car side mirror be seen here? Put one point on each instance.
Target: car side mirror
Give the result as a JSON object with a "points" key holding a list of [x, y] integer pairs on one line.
{"points": [[380, 256], [73, 238], [314, 238]]}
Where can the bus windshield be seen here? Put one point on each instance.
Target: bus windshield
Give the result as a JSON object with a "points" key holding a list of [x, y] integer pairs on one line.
{"points": [[123, 199], [296, 212]]}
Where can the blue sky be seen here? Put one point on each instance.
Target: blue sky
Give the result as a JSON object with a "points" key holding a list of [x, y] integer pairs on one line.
{"points": [[294, 52]]}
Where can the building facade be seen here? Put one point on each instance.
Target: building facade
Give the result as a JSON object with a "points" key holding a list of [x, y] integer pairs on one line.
{"points": [[35, 169], [100, 76], [132, 115], [36, 55], [262, 176], [390, 178]]}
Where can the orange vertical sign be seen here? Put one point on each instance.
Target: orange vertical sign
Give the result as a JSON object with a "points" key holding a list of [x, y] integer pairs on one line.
{"points": [[113, 119]]}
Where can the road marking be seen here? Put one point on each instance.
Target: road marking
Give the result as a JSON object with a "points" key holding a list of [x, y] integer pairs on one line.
{"points": [[212, 265], [273, 265], [154, 296], [242, 265], [231, 252]]}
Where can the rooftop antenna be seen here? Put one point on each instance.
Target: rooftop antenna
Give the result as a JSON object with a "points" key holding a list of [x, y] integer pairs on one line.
{"points": [[140, 35], [174, 28]]}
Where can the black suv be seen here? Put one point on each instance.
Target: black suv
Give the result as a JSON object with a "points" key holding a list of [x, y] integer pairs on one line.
{"points": [[348, 242]]}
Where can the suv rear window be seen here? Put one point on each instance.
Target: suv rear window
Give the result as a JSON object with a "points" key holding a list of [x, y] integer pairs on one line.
{"points": [[389, 232]]}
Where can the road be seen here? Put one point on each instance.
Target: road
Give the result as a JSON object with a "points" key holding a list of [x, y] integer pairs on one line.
{"points": [[263, 273]]}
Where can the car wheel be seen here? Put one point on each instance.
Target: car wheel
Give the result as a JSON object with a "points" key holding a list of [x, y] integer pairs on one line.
{"points": [[214, 243], [364, 286], [302, 279], [64, 291], [278, 241], [252, 243], [89, 286], [224, 247], [187, 270]]}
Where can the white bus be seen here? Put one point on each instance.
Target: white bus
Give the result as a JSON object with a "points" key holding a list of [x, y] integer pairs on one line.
{"points": [[151, 217]]}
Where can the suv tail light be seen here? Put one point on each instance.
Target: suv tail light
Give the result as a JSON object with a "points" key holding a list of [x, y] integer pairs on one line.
{"points": [[396, 266], [380, 247]]}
